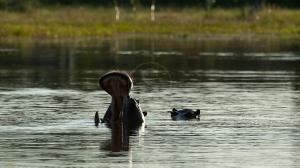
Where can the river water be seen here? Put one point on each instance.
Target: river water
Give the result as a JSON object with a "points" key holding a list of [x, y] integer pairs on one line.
{"points": [[248, 91]]}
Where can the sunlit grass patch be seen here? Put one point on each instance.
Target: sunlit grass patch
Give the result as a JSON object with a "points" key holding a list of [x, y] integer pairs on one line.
{"points": [[89, 21]]}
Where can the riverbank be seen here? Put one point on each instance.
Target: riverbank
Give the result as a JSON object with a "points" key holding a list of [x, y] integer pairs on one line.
{"points": [[86, 21]]}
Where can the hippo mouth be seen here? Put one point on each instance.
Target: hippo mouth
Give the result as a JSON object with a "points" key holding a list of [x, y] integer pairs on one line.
{"points": [[118, 85]]}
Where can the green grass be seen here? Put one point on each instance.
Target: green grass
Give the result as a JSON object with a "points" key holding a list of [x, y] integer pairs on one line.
{"points": [[87, 21]]}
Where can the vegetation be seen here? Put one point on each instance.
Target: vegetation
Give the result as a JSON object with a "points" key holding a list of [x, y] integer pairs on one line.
{"points": [[76, 20], [23, 4]]}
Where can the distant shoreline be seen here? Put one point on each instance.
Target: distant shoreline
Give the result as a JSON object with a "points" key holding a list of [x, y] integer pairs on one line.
{"points": [[70, 22], [198, 37]]}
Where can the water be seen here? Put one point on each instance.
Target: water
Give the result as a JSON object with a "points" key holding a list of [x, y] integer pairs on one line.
{"points": [[248, 91]]}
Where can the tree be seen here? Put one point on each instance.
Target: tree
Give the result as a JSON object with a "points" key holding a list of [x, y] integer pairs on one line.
{"points": [[152, 8], [258, 5], [209, 4], [117, 10]]}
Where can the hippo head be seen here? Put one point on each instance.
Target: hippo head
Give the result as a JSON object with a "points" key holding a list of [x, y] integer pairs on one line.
{"points": [[118, 85]]}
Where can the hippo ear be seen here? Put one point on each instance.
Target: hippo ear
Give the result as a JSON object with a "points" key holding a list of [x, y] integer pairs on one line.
{"points": [[138, 101], [197, 112], [96, 119], [145, 113], [174, 110]]}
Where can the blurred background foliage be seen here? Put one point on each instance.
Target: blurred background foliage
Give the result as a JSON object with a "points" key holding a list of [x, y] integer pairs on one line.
{"points": [[21, 5]]}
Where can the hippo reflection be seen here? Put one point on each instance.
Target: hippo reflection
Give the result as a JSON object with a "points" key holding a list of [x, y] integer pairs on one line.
{"points": [[120, 138]]}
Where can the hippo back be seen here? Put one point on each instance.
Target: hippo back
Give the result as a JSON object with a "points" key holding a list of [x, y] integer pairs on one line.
{"points": [[133, 114]]}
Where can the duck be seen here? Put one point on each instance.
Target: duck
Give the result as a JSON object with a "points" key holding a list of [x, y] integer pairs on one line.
{"points": [[184, 114]]}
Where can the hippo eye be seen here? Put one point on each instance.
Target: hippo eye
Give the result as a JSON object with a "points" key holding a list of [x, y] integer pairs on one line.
{"points": [[174, 113], [189, 115]]}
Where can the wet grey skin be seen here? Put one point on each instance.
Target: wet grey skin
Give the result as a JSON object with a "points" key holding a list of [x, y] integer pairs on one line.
{"points": [[123, 108], [185, 114]]}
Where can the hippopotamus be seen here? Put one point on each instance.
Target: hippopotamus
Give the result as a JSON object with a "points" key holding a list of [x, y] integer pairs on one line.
{"points": [[184, 114], [123, 108]]}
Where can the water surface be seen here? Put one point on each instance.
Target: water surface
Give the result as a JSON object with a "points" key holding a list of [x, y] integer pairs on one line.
{"points": [[248, 92]]}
